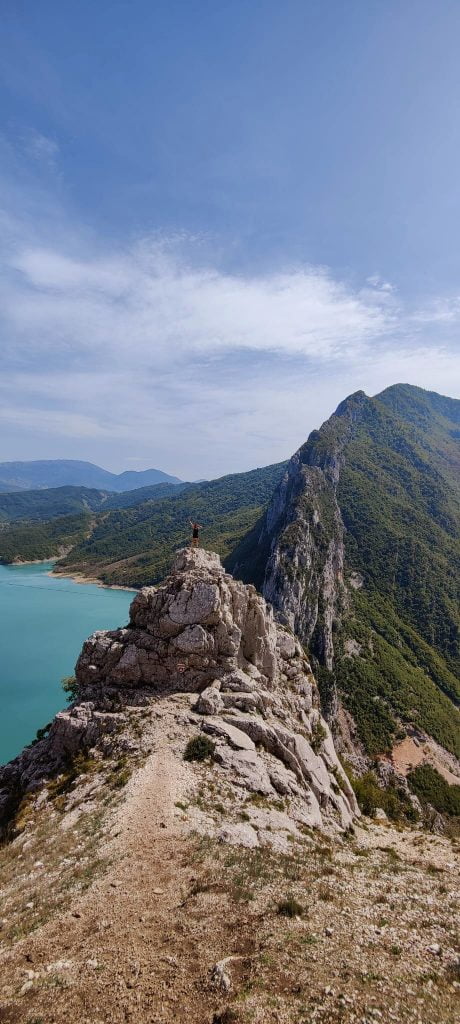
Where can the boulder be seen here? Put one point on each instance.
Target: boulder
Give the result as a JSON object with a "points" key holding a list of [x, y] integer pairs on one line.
{"points": [[209, 702], [237, 739], [239, 835]]}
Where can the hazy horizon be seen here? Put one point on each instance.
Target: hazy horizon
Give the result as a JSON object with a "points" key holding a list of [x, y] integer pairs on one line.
{"points": [[121, 469]]}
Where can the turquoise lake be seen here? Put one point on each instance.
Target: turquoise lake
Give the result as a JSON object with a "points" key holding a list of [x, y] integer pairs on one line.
{"points": [[43, 623]]}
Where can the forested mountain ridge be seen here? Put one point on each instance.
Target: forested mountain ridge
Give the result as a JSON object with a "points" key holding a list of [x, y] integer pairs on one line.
{"points": [[359, 550], [75, 473], [49, 503], [134, 545], [40, 541], [130, 538]]}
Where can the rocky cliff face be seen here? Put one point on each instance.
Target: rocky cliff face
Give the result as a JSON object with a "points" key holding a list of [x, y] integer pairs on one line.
{"points": [[245, 682], [359, 554], [304, 573], [300, 544]]}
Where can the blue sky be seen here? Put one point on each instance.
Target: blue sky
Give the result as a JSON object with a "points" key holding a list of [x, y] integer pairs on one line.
{"points": [[218, 219]]}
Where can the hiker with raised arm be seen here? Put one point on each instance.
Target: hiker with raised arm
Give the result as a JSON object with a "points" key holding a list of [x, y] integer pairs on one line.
{"points": [[195, 534]]}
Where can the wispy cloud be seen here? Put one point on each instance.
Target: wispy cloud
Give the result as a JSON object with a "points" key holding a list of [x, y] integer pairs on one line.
{"points": [[153, 298], [152, 353]]}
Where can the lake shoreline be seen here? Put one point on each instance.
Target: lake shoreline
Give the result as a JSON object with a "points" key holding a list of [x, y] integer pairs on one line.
{"points": [[30, 561], [45, 622], [79, 577]]}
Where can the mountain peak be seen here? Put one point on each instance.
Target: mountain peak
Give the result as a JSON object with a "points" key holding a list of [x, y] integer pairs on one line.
{"points": [[352, 403]]}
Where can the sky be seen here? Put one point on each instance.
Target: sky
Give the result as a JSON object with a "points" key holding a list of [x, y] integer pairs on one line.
{"points": [[217, 219]]}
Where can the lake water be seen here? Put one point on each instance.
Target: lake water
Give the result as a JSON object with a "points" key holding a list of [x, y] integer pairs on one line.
{"points": [[43, 623]]}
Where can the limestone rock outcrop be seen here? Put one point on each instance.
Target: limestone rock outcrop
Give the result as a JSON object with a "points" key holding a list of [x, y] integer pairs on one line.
{"points": [[204, 633], [299, 542]]}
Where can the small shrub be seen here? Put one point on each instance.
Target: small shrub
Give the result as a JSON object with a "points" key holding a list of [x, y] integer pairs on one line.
{"points": [[434, 869], [393, 800], [326, 893], [199, 748], [453, 971], [24, 813], [290, 907], [227, 1016], [41, 733], [119, 779], [70, 686], [318, 735], [120, 774], [432, 788]]}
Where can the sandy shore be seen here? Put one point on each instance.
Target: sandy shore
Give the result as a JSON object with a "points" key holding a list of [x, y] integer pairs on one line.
{"points": [[80, 577]]}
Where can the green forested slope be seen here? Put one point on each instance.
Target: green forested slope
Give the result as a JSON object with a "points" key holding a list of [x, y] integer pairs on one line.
{"points": [[29, 542], [400, 502], [41, 505], [47, 503], [135, 545], [151, 493], [399, 495]]}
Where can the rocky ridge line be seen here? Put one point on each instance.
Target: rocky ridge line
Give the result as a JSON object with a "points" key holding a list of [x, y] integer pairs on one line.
{"points": [[243, 680], [299, 544]]}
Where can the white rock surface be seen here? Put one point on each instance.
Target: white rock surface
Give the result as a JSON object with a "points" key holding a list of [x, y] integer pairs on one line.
{"points": [[204, 632]]}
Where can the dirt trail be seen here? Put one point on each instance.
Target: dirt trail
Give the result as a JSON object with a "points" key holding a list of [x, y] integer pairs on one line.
{"points": [[123, 952], [373, 941]]}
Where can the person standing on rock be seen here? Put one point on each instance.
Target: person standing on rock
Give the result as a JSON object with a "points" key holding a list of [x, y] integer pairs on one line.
{"points": [[195, 534]]}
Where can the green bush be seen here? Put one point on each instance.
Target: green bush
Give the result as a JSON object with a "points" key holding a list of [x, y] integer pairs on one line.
{"points": [[120, 775], [432, 788], [393, 800], [41, 733], [199, 748], [318, 735], [70, 687], [290, 907]]}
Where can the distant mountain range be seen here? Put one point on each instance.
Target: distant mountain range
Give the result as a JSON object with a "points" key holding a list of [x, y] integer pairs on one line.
{"points": [[131, 537], [26, 476]]}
